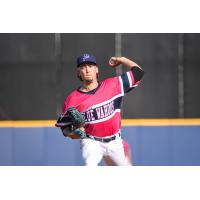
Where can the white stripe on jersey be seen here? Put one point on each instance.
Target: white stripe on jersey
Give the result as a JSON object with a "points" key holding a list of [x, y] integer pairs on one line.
{"points": [[129, 79], [131, 85], [104, 119], [121, 84]]}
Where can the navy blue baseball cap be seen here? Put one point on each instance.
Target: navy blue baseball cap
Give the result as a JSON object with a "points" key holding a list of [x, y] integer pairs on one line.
{"points": [[86, 58]]}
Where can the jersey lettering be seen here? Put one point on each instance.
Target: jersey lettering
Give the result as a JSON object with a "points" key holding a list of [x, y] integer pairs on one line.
{"points": [[100, 112], [105, 110]]}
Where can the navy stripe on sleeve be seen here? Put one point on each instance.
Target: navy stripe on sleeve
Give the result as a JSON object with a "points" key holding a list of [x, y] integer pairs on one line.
{"points": [[137, 74], [125, 81]]}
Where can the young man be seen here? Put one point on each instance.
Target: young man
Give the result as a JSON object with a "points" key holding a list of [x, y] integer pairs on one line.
{"points": [[100, 104]]}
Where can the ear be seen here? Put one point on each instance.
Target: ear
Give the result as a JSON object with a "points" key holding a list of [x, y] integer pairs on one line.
{"points": [[97, 69], [78, 74]]}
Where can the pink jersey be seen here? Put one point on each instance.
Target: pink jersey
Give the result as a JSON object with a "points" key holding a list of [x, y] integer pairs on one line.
{"points": [[101, 107]]}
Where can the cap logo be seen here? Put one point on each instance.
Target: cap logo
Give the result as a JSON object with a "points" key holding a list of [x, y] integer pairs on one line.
{"points": [[85, 57]]}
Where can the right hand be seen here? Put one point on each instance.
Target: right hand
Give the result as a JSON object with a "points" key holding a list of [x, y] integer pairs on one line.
{"points": [[114, 61]]}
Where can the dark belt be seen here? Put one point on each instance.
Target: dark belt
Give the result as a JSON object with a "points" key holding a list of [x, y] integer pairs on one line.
{"points": [[105, 140]]}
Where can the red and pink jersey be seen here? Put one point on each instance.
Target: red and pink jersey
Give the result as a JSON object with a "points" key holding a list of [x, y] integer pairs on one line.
{"points": [[101, 106]]}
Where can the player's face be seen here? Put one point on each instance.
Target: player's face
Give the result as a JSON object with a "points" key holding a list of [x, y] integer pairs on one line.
{"points": [[88, 72]]}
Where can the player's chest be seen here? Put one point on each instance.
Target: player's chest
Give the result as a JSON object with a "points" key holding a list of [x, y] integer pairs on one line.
{"points": [[102, 96]]}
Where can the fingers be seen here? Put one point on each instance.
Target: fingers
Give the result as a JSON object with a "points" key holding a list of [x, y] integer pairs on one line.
{"points": [[113, 62]]}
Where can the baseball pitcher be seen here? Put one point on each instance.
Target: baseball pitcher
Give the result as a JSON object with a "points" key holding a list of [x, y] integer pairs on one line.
{"points": [[92, 111]]}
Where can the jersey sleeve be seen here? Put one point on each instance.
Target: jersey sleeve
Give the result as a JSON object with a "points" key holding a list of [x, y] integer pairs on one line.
{"points": [[69, 102], [74, 100], [65, 105], [131, 79]]}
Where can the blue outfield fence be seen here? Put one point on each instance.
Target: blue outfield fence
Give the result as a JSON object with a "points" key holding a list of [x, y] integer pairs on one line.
{"points": [[151, 145]]}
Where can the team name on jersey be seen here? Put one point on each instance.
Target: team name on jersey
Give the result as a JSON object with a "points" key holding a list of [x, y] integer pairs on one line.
{"points": [[100, 112], [103, 111]]}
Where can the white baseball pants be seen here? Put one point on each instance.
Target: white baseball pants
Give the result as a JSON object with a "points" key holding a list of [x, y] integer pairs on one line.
{"points": [[111, 152]]}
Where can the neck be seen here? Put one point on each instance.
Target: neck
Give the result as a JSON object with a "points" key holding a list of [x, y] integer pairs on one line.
{"points": [[88, 86]]}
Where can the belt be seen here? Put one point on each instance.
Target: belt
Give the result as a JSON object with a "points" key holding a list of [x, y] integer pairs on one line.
{"points": [[105, 140]]}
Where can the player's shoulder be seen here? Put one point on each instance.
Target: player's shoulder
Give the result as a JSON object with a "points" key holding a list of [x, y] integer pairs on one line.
{"points": [[72, 94], [110, 80], [70, 100]]}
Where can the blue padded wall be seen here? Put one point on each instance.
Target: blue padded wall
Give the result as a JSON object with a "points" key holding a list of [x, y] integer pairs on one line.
{"points": [[150, 146]]}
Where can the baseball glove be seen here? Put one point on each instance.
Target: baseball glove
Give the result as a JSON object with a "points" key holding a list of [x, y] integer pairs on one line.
{"points": [[71, 124]]}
